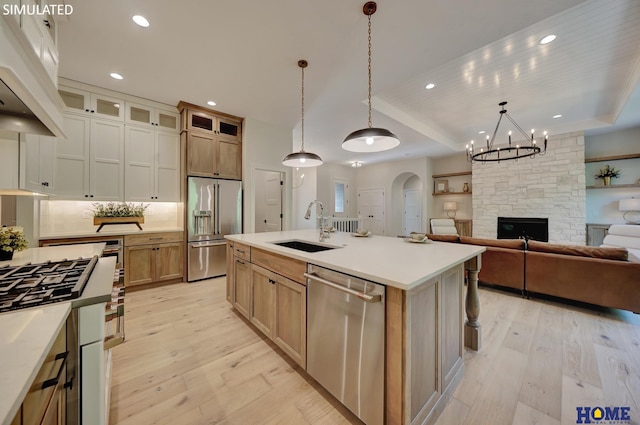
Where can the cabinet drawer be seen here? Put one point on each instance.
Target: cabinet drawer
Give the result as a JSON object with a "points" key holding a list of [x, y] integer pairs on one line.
{"points": [[285, 266], [241, 250], [153, 238]]}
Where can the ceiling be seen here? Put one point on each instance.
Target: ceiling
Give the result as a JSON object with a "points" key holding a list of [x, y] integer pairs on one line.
{"points": [[243, 55]]}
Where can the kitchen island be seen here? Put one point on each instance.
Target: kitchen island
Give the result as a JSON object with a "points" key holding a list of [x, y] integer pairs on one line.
{"points": [[27, 335], [423, 308]]}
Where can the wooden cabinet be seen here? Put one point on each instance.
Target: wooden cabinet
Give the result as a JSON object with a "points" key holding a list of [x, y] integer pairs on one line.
{"points": [[213, 156], [89, 163], [38, 164], [596, 233], [213, 142], [464, 227], [152, 170], [242, 292], [153, 257], [262, 288]]}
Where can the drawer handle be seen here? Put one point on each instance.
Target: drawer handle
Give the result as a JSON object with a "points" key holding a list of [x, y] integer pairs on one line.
{"points": [[240, 251], [241, 262], [271, 281], [54, 381], [156, 239]]}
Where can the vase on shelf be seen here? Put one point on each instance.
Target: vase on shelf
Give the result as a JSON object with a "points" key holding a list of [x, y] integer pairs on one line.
{"points": [[6, 255], [607, 181], [465, 187]]}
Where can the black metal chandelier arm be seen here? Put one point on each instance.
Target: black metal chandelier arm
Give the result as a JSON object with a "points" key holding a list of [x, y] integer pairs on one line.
{"points": [[493, 137], [526, 136]]}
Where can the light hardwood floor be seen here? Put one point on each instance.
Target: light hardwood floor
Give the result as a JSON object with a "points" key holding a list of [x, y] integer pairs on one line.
{"points": [[190, 359]]}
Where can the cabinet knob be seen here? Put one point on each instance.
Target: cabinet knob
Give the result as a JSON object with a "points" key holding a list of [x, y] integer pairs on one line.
{"points": [[87, 110], [90, 196], [86, 196], [92, 111], [46, 23]]}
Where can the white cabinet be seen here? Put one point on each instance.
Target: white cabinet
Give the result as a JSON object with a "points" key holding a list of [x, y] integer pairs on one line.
{"points": [[90, 162], [92, 104], [41, 32], [39, 165], [152, 171], [144, 115]]}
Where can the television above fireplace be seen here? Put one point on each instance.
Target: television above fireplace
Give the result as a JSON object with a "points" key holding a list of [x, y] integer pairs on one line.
{"points": [[523, 228]]}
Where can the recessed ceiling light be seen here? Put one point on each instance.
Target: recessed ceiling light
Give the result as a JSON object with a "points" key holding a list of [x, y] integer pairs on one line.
{"points": [[481, 132], [548, 39], [211, 103], [140, 20], [116, 76], [557, 116], [429, 86]]}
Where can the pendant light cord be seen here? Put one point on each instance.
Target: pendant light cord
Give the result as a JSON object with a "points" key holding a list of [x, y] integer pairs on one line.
{"points": [[369, 15], [302, 108]]}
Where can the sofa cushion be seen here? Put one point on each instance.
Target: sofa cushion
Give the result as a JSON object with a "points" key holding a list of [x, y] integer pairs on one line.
{"points": [[443, 238], [499, 243], [630, 230], [620, 254]]}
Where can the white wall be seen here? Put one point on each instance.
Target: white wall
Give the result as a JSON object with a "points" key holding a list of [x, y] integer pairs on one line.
{"points": [[602, 204], [327, 172], [391, 177], [264, 147], [305, 191]]}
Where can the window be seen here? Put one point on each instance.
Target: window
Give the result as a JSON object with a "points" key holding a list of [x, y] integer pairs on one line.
{"points": [[340, 189]]}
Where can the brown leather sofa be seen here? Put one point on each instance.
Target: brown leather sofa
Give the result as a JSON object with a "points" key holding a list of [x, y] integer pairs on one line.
{"points": [[594, 275]]}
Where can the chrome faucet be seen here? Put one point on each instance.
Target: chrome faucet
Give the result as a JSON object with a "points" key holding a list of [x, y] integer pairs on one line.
{"points": [[324, 231]]}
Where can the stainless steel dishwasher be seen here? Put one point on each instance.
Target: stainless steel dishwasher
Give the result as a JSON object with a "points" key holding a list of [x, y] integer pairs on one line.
{"points": [[345, 340]]}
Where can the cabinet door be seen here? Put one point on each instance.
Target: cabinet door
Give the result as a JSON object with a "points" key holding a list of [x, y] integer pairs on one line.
{"points": [[263, 289], [201, 155], [167, 120], [452, 320], [139, 265], [39, 167], [229, 165], [107, 160], [72, 158], [139, 114], [169, 261], [201, 121], [139, 176], [107, 107], [229, 129], [231, 283], [76, 100], [290, 332], [242, 301], [167, 166]]}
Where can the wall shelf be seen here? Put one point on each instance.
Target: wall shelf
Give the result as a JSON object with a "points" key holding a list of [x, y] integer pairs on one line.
{"points": [[451, 193], [613, 186], [462, 173], [612, 158]]}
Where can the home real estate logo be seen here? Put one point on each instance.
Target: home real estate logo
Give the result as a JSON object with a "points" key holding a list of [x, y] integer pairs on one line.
{"points": [[36, 9], [603, 415]]}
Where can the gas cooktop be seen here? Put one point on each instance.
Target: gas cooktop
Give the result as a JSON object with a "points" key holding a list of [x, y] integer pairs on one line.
{"points": [[33, 285]]}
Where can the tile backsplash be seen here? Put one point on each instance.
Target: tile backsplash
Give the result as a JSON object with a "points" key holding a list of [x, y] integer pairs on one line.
{"points": [[59, 218]]}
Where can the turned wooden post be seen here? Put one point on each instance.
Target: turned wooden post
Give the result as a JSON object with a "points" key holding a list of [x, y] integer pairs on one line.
{"points": [[472, 333]]}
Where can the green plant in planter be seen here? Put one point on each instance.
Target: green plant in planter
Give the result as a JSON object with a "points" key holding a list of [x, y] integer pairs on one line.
{"points": [[608, 172], [121, 209], [12, 239]]}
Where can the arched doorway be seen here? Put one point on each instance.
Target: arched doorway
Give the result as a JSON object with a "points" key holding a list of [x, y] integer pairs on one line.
{"points": [[407, 204]]}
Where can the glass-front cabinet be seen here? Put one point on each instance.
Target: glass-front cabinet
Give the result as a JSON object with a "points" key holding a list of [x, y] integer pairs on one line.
{"points": [[93, 104], [138, 114]]}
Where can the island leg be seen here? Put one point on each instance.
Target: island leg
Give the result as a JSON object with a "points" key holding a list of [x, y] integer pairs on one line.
{"points": [[472, 332]]}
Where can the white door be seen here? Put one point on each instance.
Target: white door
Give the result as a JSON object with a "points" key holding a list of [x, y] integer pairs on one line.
{"points": [[139, 172], [72, 159], [268, 201], [371, 210], [412, 211]]}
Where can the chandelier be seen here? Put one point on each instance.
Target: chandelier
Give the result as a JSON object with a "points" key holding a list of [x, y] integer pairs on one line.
{"points": [[528, 148]]}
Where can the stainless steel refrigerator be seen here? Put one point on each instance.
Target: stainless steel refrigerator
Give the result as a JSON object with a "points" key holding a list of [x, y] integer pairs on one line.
{"points": [[214, 209]]}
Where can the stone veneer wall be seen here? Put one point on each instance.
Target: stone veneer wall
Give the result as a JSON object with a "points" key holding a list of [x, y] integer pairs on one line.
{"points": [[550, 186]]}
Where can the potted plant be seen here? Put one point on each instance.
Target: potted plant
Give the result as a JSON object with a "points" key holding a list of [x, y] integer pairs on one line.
{"points": [[11, 240], [118, 213], [607, 173]]}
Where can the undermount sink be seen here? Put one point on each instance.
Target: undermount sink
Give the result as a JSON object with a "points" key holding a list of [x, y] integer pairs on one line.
{"points": [[304, 245]]}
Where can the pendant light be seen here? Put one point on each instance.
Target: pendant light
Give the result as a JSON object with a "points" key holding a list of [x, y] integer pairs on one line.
{"points": [[370, 139], [302, 158]]}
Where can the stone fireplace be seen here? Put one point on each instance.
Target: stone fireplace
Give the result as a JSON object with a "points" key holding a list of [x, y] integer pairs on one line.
{"points": [[550, 186]]}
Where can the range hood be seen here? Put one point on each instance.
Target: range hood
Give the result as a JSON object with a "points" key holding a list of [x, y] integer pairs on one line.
{"points": [[16, 116]]}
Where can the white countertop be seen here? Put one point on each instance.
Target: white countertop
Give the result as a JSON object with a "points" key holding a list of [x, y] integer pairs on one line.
{"points": [[382, 259], [27, 335], [54, 253], [112, 230]]}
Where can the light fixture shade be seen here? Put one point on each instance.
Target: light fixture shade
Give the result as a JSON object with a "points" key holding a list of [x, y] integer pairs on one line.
{"points": [[370, 140], [630, 204], [450, 206], [302, 159]]}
